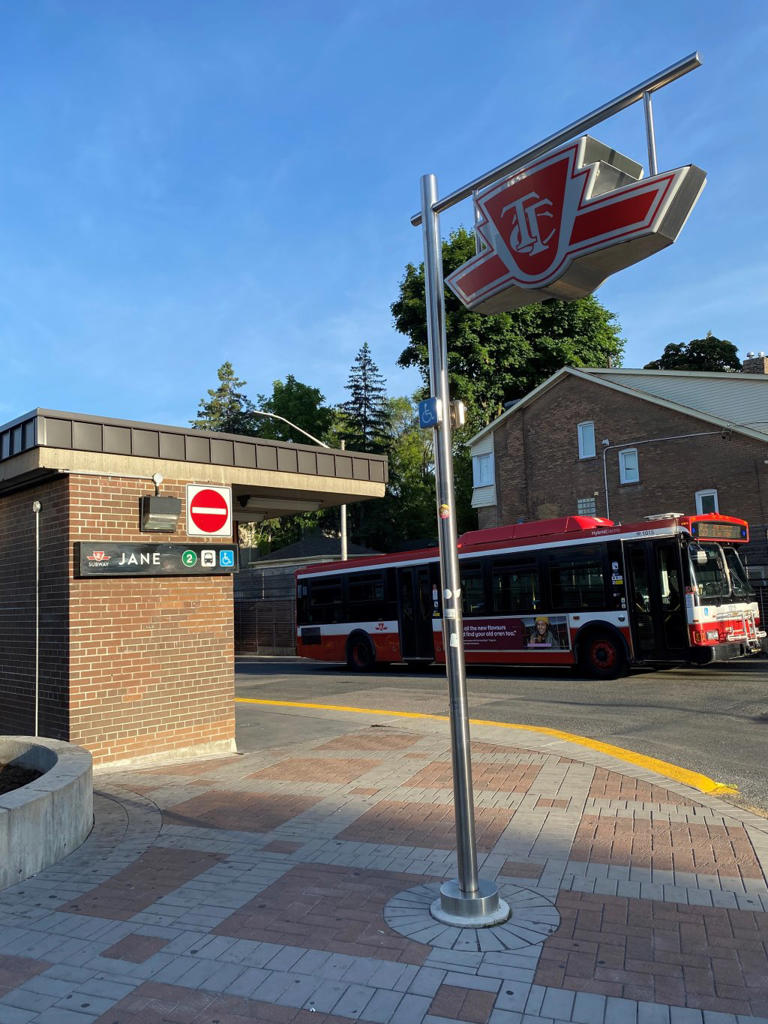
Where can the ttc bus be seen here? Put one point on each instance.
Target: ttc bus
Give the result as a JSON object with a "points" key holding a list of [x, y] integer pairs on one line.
{"points": [[578, 590]]}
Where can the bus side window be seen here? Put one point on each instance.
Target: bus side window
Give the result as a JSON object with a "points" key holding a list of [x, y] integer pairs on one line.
{"points": [[366, 597], [326, 601], [472, 590], [577, 580], [515, 588]]}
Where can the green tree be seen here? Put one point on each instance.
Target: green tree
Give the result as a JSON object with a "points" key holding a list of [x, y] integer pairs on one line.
{"points": [[365, 413], [710, 353], [300, 404], [407, 513], [228, 408], [494, 358]]}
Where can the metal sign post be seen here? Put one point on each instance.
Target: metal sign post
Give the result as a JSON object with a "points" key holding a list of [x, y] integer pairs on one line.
{"points": [[469, 901]]}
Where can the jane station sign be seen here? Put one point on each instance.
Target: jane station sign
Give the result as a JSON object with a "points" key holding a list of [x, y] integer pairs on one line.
{"points": [[558, 227], [100, 558]]}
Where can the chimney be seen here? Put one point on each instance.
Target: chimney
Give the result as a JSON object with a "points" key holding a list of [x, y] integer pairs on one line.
{"points": [[755, 363]]}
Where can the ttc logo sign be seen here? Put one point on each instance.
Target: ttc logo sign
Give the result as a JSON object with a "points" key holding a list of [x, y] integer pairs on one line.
{"points": [[558, 228]]}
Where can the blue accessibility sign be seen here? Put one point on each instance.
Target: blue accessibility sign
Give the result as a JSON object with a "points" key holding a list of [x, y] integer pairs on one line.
{"points": [[430, 412], [226, 559]]}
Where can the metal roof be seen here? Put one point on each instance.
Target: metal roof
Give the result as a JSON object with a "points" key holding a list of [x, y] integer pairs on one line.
{"points": [[738, 401], [268, 478], [741, 399], [48, 428]]}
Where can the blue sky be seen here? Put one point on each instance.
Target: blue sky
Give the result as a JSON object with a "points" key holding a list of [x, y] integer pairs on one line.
{"points": [[185, 182]]}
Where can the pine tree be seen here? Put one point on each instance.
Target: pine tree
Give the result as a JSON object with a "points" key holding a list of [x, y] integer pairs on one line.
{"points": [[228, 409], [366, 412]]}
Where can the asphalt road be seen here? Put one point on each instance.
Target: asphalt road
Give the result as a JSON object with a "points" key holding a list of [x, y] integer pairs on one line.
{"points": [[712, 720]]}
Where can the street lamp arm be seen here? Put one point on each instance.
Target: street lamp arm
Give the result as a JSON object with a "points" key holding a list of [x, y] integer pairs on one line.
{"points": [[306, 433], [301, 430]]}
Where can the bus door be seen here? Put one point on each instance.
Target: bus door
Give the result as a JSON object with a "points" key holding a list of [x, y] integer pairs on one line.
{"points": [[415, 606], [655, 599]]}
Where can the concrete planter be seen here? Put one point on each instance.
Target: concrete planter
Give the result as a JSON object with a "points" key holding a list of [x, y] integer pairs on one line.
{"points": [[49, 818]]}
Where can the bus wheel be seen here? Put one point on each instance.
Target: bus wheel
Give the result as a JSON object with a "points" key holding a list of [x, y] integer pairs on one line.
{"points": [[360, 653], [602, 656]]}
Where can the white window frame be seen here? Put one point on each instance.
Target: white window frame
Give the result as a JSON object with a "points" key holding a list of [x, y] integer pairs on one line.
{"points": [[483, 470], [592, 510], [627, 474], [586, 435], [710, 492]]}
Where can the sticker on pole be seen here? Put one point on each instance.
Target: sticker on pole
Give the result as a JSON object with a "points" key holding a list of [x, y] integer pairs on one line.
{"points": [[209, 511]]}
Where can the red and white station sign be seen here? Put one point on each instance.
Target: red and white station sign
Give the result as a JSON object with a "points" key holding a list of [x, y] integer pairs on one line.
{"points": [[559, 227], [209, 511]]}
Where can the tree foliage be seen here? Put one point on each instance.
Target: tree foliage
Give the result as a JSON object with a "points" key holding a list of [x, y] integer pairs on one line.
{"points": [[228, 409], [494, 358], [710, 353], [366, 412], [407, 513], [368, 421], [298, 403]]}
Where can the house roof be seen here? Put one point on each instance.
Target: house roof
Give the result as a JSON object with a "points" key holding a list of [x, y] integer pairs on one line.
{"points": [[312, 546], [734, 401]]}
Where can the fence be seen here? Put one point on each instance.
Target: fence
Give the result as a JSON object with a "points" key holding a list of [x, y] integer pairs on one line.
{"points": [[265, 611]]}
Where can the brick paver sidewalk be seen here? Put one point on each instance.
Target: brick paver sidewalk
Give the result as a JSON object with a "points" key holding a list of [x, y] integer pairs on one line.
{"points": [[293, 887]]}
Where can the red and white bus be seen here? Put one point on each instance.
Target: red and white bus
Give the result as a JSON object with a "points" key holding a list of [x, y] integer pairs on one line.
{"points": [[578, 590]]}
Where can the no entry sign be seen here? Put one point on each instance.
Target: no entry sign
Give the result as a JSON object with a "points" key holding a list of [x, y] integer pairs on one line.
{"points": [[209, 511]]}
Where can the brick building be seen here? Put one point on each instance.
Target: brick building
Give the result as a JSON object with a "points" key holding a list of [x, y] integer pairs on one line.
{"points": [[140, 664], [628, 443]]}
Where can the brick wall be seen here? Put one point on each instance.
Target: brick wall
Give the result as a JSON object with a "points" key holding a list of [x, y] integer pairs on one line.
{"points": [[539, 474], [128, 667], [17, 611], [152, 660]]}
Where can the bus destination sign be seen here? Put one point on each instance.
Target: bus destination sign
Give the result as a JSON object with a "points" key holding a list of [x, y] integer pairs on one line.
{"points": [[719, 531], [101, 558]]}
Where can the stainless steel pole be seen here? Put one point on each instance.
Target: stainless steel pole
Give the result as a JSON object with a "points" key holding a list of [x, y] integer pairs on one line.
{"points": [[467, 901], [653, 167], [36, 506], [343, 521], [583, 124]]}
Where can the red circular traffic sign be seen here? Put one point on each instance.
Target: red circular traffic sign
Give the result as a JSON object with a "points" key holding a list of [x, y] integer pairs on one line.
{"points": [[209, 511]]}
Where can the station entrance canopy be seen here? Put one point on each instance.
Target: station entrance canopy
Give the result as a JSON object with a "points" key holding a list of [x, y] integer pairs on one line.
{"points": [[268, 478], [117, 554]]}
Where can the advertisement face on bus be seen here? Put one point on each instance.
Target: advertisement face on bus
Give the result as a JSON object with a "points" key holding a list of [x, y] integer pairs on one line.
{"points": [[525, 632]]}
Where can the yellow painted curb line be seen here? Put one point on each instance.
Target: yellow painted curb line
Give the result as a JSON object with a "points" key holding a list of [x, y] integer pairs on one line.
{"points": [[671, 771]]}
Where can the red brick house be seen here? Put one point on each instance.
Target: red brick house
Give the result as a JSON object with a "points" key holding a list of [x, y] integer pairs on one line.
{"points": [[628, 443]]}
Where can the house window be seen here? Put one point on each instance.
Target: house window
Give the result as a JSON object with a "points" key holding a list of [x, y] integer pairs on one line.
{"points": [[482, 470], [629, 468], [586, 506], [586, 432], [706, 501]]}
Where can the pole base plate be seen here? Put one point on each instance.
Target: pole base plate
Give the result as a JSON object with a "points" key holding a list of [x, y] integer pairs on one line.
{"points": [[482, 909]]}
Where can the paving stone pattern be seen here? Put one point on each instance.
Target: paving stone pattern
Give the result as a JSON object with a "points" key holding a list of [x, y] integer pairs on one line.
{"points": [[292, 886]]}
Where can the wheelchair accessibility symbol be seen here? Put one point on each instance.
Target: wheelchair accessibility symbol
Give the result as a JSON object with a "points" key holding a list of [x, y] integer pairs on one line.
{"points": [[430, 412]]}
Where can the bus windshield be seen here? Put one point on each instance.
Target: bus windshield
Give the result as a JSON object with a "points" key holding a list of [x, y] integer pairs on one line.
{"points": [[740, 585], [708, 570]]}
